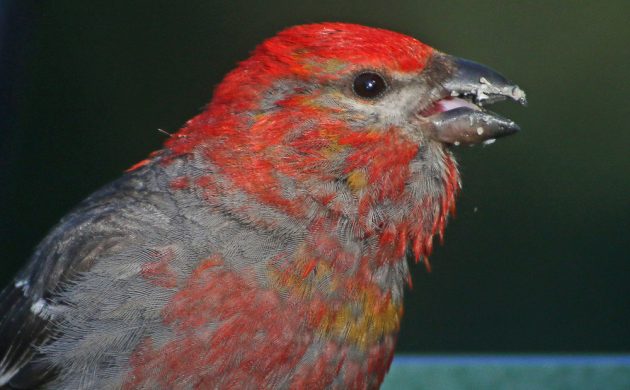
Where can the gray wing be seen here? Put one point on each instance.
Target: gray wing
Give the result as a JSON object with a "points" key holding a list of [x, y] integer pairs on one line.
{"points": [[95, 228]]}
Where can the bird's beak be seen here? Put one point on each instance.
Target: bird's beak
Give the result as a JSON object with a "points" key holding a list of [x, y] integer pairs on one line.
{"points": [[463, 87]]}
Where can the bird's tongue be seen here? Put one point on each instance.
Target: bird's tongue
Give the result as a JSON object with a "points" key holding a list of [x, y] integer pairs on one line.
{"points": [[447, 104], [454, 102]]}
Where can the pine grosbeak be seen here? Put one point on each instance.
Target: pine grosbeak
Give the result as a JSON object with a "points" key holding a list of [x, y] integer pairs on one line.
{"points": [[265, 245]]}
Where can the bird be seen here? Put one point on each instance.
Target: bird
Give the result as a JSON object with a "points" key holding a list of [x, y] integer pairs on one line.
{"points": [[268, 243]]}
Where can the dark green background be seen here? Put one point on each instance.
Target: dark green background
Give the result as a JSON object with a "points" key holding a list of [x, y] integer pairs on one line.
{"points": [[537, 258]]}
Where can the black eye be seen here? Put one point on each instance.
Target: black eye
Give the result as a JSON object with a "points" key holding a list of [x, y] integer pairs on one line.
{"points": [[369, 85]]}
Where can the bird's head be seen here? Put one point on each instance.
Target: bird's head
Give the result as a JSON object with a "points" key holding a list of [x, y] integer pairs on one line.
{"points": [[368, 78], [341, 113]]}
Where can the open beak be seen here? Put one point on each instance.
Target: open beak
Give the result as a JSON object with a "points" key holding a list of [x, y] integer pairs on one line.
{"points": [[457, 116]]}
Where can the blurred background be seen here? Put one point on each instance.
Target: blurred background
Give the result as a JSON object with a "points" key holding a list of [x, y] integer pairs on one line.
{"points": [[537, 258]]}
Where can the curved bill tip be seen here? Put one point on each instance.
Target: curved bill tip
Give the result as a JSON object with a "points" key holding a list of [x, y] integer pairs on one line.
{"points": [[482, 83]]}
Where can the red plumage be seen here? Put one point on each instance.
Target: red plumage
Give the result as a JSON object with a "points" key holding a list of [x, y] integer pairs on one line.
{"points": [[265, 246]]}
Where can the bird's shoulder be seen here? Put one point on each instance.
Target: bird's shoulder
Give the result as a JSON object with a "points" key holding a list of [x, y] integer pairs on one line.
{"points": [[100, 226]]}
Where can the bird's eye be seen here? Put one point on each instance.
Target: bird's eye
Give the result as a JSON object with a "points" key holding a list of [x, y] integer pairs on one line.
{"points": [[369, 85]]}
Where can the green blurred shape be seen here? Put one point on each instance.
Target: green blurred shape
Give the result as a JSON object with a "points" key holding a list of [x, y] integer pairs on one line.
{"points": [[514, 372]]}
